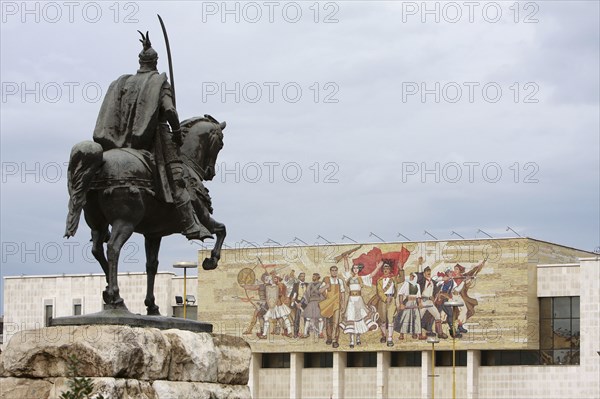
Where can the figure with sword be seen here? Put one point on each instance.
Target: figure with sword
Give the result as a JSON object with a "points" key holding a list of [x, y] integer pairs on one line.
{"points": [[144, 173], [148, 121]]}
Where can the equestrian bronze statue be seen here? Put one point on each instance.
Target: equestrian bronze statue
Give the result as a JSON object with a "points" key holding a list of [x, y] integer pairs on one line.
{"points": [[144, 173]]}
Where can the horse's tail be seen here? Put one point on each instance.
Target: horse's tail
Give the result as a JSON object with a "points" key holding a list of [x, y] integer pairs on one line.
{"points": [[84, 163]]}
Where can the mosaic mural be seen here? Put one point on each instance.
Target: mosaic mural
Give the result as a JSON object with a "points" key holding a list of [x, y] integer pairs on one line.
{"points": [[376, 296]]}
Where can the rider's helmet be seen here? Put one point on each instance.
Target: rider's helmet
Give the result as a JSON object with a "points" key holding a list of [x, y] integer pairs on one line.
{"points": [[148, 57]]}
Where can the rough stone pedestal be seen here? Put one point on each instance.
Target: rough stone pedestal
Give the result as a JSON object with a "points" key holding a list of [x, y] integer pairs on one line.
{"points": [[126, 362]]}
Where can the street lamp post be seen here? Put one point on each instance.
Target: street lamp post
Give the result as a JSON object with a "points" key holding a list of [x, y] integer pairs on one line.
{"points": [[185, 266], [455, 305], [433, 340]]}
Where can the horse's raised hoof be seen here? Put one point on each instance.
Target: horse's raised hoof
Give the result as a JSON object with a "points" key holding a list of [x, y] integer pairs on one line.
{"points": [[153, 311], [210, 263]]}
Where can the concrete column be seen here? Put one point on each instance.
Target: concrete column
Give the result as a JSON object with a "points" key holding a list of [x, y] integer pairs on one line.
{"points": [[339, 372], [253, 379], [383, 366], [473, 364], [296, 366], [426, 374], [589, 312]]}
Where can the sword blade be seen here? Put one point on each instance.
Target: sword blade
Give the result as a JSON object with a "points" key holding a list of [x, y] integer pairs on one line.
{"points": [[171, 77]]}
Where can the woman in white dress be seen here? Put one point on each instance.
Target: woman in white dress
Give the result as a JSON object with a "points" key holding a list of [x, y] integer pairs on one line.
{"points": [[410, 303], [359, 317]]}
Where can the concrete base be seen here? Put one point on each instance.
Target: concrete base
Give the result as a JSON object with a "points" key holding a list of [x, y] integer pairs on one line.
{"points": [[124, 317]]}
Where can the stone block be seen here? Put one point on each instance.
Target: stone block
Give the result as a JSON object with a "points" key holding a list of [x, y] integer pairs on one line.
{"points": [[193, 356], [24, 388], [199, 390], [233, 359], [110, 388], [103, 351]]}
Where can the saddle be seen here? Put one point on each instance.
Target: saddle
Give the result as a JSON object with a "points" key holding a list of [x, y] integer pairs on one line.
{"points": [[126, 167]]}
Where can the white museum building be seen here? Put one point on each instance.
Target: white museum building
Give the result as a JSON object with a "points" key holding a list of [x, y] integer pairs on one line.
{"points": [[558, 358]]}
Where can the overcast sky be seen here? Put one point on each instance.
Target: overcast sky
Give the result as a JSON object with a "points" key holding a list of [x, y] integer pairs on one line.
{"points": [[343, 118]]}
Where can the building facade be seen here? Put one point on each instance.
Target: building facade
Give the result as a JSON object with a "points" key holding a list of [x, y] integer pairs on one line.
{"points": [[528, 311]]}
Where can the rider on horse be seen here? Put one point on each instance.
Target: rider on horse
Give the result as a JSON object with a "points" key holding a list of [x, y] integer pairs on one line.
{"points": [[136, 114]]}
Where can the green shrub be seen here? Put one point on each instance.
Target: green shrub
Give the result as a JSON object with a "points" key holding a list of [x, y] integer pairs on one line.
{"points": [[79, 387]]}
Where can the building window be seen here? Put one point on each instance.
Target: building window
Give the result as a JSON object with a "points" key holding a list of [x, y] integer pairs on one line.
{"points": [[76, 307], [275, 361], [510, 358], [48, 312], [406, 359], [318, 360], [444, 358], [559, 330], [361, 359]]}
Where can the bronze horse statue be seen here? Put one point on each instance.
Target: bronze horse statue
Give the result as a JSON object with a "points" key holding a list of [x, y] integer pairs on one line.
{"points": [[116, 188]]}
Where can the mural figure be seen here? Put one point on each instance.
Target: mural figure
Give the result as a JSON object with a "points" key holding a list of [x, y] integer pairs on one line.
{"points": [[464, 282], [359, 318], [409, 302], [370, 261], [260, 307], [313, 320], [387, 293], [331, 306], [278, 311], [446, 285], [427, 286], [452, 286], [298, 302]]}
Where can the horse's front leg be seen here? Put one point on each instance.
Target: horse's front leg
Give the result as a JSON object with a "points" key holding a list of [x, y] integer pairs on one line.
{"points": [[152, 247], [220, 231], [121, 231]]}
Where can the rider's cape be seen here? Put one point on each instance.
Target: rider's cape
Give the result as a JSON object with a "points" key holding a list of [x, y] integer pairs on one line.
{"points": [[129, 113], [128, 118]]}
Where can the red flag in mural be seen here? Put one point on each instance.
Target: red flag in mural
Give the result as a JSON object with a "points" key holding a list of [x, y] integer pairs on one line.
{"points": [[369, 260]]}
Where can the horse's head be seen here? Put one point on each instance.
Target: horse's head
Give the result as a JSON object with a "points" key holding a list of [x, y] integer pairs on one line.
{"points": [[203, 139]]}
